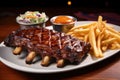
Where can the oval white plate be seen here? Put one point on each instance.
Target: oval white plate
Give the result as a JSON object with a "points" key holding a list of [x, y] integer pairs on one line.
{"points": [[18, 62]]}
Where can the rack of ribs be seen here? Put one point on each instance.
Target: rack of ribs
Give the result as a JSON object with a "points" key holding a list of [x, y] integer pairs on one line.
{"points": [[49, 45]]}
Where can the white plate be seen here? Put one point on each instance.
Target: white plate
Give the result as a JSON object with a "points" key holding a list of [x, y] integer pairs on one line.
{"points": [[18, 62]]}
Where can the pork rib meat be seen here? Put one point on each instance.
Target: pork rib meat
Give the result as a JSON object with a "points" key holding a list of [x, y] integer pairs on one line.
{"points": [[45, 42]]}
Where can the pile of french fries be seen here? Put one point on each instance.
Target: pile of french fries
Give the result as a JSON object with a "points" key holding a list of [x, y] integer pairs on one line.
{"points": [[99, 34]]}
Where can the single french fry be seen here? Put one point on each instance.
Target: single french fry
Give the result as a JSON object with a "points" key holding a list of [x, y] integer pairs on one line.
{"points": [[109, 40], [70, 32], [114, 35], [111, 29], [81, 38], [83, 26], [97, 31], [99, 24], [92, 41], [117, 45], [82, 30], [104, 48], [99, 20], [98, 46], [107, 35], [86, 38], [100, 36], [112, 46]]}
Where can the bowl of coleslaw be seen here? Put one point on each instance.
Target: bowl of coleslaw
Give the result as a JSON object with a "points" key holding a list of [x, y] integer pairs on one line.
{"points": [[32, 19]]}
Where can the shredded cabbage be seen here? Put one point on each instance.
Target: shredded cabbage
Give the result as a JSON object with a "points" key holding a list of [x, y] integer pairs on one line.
{"points": [[32, 17]]}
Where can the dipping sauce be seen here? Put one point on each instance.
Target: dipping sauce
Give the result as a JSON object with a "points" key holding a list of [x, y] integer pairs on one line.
{"points": [[63, 23], [63, 20]]}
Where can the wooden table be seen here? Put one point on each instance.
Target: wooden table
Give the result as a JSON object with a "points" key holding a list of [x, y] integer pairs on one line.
{"points": [[108, 69]]}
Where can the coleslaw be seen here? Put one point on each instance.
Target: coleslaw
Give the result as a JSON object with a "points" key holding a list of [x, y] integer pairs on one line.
{"points": [[32, 17]]}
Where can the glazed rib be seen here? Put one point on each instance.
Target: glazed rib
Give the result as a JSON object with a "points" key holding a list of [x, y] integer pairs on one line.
{"points": [[48, 44]]}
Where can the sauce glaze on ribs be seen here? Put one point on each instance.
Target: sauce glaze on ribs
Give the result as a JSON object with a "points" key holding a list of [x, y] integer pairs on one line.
{"points": [[48, 44]]}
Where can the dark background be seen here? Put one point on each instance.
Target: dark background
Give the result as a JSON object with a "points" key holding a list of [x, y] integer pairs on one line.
{"points": [[111, 4], [82, 9]]}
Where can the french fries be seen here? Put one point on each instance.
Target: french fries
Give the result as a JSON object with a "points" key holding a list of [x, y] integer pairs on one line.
{"points": [[99, 34]]}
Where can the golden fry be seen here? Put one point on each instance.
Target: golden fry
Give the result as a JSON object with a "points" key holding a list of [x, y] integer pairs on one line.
{"points": [[99, 46], [108, 41], [86, 38], [111, 29], [100, 36], [104, 48], [92, 41], [97, 31], [116, 44], [114, 35], [82, 30], [99, 22], [83, 26]]}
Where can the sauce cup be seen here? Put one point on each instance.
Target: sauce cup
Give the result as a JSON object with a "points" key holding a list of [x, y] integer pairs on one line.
{"points": [[63, 23]]}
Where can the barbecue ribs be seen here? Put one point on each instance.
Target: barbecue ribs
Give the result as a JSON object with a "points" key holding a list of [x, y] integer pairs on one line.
{"points": [[49, 45]]}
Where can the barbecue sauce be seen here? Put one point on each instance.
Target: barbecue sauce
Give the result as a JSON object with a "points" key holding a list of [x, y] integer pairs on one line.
{"points": [[63, 20]]}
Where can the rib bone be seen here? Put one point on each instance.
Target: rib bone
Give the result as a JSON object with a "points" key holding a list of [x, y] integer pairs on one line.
{"points": [[60, 63], [17, 50], [45, 61], [30, 57]]}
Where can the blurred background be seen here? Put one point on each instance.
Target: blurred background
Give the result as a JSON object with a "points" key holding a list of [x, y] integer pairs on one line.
{"points": [[82, 9], [110, 4]]}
